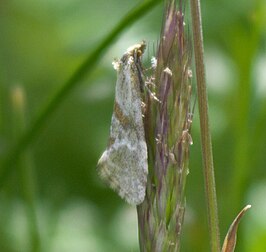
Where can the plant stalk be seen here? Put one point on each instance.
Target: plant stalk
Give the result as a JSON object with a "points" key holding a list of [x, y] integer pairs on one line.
{"points": [[27, 176], [208, 168]]}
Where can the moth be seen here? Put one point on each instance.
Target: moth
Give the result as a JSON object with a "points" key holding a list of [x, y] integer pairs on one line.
{"points": [[123, 165]]}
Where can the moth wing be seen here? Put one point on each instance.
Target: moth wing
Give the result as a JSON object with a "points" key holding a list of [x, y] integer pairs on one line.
{"points": [[125, 170], [124, 164]]}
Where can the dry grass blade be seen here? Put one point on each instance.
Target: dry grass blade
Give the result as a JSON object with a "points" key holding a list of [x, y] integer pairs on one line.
{"points": [[230, 239]]}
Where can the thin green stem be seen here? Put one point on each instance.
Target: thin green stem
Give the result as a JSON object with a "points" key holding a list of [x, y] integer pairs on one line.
{"points": [[27, 176], [85, 68], [208, 168]]}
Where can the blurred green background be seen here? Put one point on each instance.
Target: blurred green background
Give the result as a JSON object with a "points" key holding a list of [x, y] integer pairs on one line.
{"points": [[41, 44]]}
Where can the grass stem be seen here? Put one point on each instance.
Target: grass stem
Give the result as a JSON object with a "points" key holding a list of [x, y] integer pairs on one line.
{"points": [[207, 156]]}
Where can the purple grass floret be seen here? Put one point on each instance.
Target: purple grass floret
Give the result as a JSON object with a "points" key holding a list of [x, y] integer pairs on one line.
{"points": [[167, 122]]}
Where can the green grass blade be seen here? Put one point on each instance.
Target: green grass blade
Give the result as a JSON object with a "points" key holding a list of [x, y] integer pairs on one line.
{"points": [[85, 68]]}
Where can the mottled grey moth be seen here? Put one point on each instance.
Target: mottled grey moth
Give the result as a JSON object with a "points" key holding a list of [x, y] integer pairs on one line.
{"points": [[123, 165]]}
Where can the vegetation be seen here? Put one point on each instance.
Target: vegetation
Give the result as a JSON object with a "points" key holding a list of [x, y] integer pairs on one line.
{"points": [[51, 198]]}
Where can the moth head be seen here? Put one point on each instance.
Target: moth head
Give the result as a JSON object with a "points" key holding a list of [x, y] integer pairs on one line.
{"points": [[137, 49]]}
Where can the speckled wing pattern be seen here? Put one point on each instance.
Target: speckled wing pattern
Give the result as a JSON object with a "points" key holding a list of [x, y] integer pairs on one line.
{"points": [[123, 165]]}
